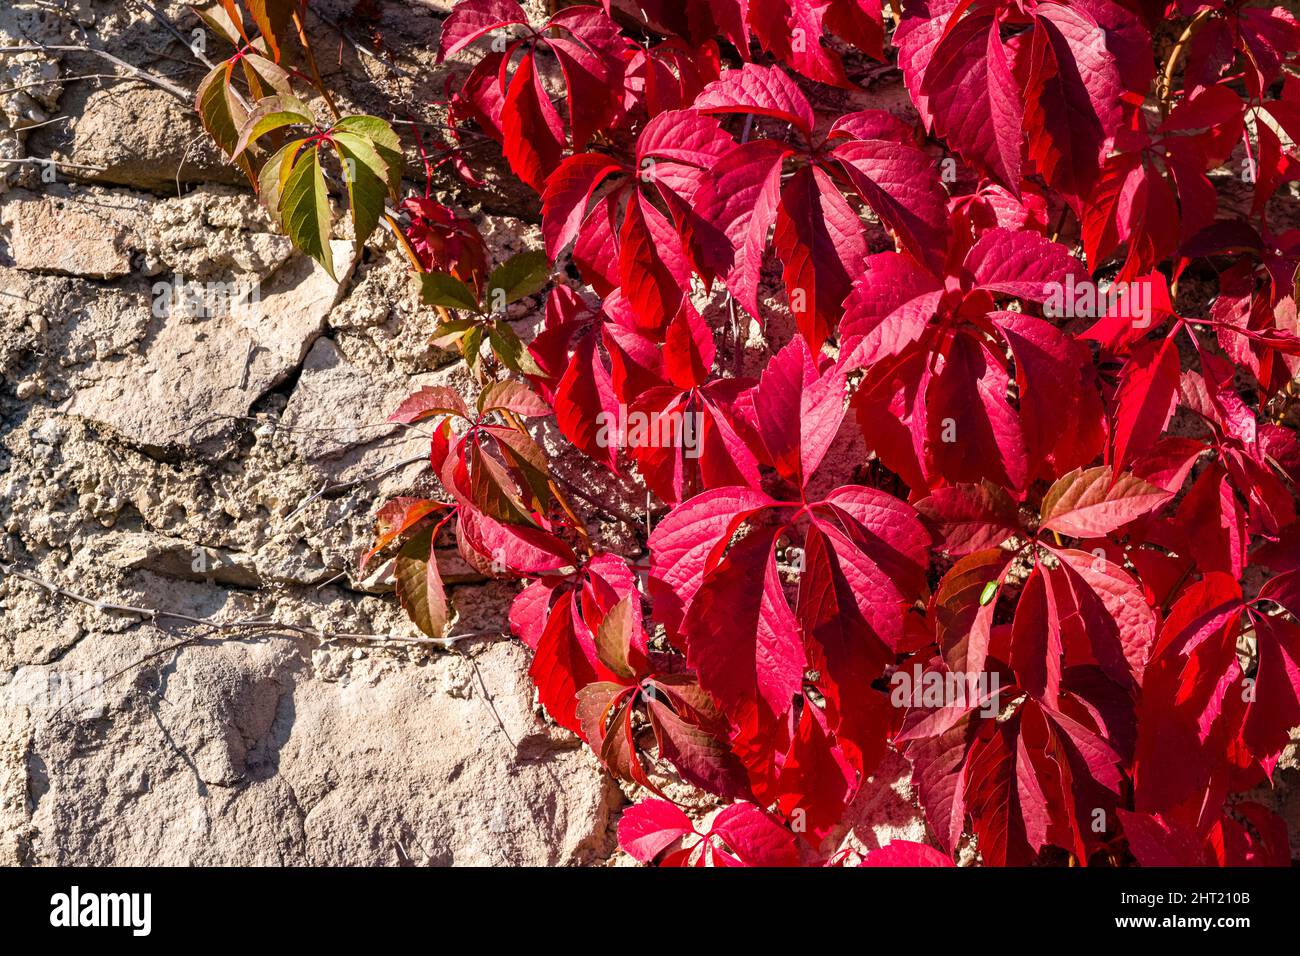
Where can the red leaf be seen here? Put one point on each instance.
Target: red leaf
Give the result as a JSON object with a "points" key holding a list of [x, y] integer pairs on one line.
{"points": [[755, 838], [889, 309], [430, 402], [798, 411], [652, 267], [1090, 502], [764, 90], [471, 19], [906, 853], [900, 183], [741, 202], [1036, 638], [971, 517], [962, 84], [683, 546], [1145, 400], [568, 191], [819, 239], [514, 397], [1159, 842], [1072, 100], [746, 651], [396, 518], [1021, 264], [974, 432], [648, 828], [1055, 381], [689, 348], [534, 136]]}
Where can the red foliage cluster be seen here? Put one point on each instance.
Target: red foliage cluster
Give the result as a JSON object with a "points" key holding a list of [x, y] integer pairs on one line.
{"points": [[1063, 582]]}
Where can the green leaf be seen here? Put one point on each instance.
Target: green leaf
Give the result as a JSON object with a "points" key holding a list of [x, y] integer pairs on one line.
{"points": [[513, 354], [614, 637], [220, 23], [519, 276], [272, 113], [514, 397], [371, 127], [271, 17], [305, 209], [222, 114], [363, 172], [493, 490], [448, 333], [419, 584], [275, 172], [385, 142], [471, 345], [527, 461], [261, 71], [439, 288]]}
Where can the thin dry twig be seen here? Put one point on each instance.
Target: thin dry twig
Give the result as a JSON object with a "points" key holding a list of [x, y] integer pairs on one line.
{"points": [[171, 28], [39, 161], [183, 95], [257, 624], [358, 46]]}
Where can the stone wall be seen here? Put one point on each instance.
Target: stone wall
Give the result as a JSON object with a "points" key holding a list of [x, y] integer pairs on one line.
{"points": [[150, 458]]}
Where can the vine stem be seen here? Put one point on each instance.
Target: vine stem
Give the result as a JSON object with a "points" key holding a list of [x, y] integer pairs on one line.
{"points": [[301, 27], [1060, 223], [390, 221], [329, 487], [1288, 396], [40, 161], [134, 71], [1166, 90]]}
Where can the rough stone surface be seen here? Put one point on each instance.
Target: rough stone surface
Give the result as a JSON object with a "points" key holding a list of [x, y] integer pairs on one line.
{"points": [[198, 372], [260, 753], [50, 235], [134, 135], [227, 467]]}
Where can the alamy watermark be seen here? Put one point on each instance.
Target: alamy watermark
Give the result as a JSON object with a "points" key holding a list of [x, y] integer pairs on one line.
{"points": [[638, 429], [75, 908], [933, 689], [1084, 298], [239, 299], [43, 690]]}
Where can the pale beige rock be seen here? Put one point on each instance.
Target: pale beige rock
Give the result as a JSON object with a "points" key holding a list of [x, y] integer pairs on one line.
{"points": [[240, 753], [64, 236], [134, 135], [211, 234], [884, 810], [197, 374], [337, 417], [178, 558]]}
